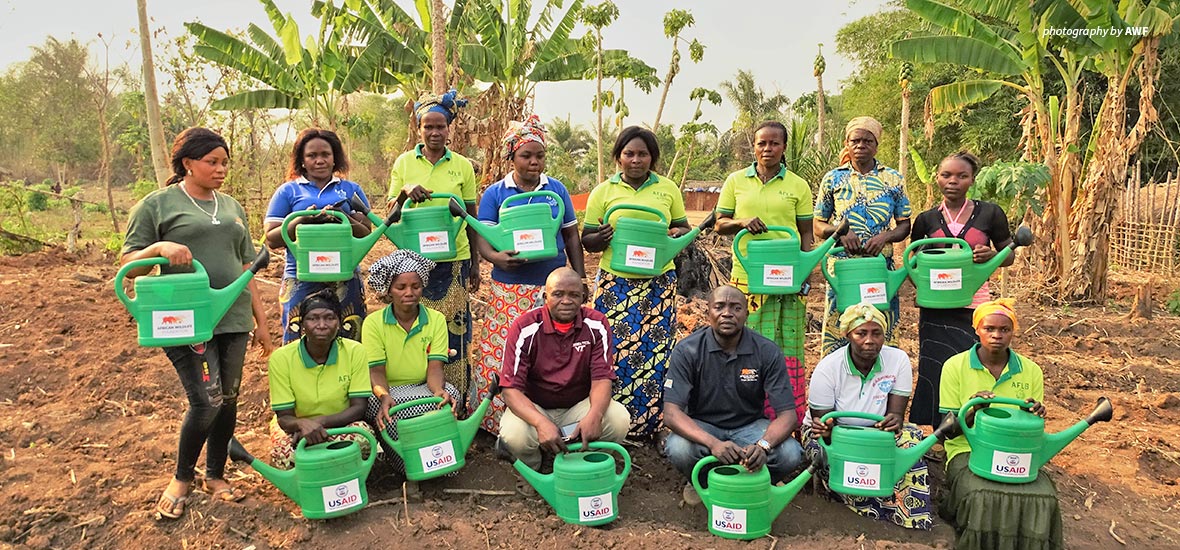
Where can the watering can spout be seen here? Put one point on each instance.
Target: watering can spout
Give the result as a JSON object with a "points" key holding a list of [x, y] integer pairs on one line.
{"points": [[469, 427], [947, 429], [1054, 443], [681, 242], [543, 483], [816, 255], [781, 495], [283, 479], [224, 298], [1023, 237], [363, 245]]}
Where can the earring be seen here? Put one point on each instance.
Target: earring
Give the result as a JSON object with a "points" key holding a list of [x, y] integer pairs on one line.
{"points": [[190, 172]]}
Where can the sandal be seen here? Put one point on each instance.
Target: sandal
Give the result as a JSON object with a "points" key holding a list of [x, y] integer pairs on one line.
{"points": [[175, 506], [225, 494]]}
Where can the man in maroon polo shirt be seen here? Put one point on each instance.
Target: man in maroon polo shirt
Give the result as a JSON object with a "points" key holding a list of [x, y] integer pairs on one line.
{"points": [[557, 375]]}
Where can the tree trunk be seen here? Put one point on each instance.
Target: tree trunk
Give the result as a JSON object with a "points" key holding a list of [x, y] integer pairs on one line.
{"points": [[104, 165], [903, 140], [688, 161], [598, 106], [438, 47], [152, 98], [820, 114]]}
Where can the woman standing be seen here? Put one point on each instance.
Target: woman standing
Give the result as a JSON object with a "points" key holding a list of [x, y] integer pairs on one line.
{"points": [[766, 193], [317, 161], [943, 333], [406, 343], [871, 197], [190, 220], [431, 167], [641, 310], [517, 285]]}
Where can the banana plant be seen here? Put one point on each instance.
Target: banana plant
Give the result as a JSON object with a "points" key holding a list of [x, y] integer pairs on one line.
{"points": [[310, 73]]}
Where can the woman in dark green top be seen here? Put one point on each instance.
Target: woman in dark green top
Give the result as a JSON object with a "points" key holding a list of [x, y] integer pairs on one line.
{"points": [[189, 220]]}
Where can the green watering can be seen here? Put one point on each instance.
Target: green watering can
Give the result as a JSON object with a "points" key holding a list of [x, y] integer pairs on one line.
{"points": [[863, 279], [328, 480], [328, 251], [427, 230], [583, 488], [435, 444], [529, 229], [1010, 445], [642, 247], [779, 266], [743, 504], [179, 309], [865, 461], [947, 278]]}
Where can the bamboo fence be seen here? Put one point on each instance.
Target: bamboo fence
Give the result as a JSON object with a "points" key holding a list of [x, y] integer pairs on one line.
{"points": [[1146, 236]]}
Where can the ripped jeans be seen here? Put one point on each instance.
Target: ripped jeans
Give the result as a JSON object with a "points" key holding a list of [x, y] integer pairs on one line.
{"points": [[210, 373]]}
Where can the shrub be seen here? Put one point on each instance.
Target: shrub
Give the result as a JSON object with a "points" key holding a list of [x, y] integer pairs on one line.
{"points": [[1173, 302], [95, 207], [141, 188]]}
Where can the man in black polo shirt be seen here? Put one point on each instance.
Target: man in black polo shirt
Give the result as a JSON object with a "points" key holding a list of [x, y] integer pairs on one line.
{"points": [[718, 378]]}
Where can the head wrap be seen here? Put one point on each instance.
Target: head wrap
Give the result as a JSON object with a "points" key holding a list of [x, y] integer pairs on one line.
{"points": [[1003, 306], [448, 104], [860, 314], [384, 271], [520, 133], [324, 299], [866, 123]]}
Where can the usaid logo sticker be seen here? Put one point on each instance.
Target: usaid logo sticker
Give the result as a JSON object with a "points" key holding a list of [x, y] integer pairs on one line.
{"points": [[434, 241], [946, 279], [528, 240], [595, 508], [640, 257], [862, 476], [173, 324], [729, 520], [343, 496], [873, 293], [323, 262], [778, 275], [1011, 464], [437, 457]]}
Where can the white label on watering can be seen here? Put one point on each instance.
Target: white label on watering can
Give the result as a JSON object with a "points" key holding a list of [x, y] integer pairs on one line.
{"points": [[873, 293], [437, 457], [946, 279], [434, 241], [595, 508], [343, 496], [527, 240], [323, 262], [858, 475], [173, 324], [729, 520], [640, 257], [778, 275], [1011, 464]]}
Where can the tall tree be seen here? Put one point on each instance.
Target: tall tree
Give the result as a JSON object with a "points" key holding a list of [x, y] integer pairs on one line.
{"points": [[693, 128], [753, 106], [438, 47], [152, 97], [818, 69], [903, 80], [623, 68], [675, 21], [102, 84], [599, 17]]}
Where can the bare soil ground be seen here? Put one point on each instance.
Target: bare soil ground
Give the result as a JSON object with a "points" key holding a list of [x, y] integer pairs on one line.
{"points": [[88, 424]]}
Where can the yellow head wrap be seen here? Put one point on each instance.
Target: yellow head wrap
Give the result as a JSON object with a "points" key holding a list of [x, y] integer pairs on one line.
{"points": [[1003, 306], [866, 123], [860, 314]]}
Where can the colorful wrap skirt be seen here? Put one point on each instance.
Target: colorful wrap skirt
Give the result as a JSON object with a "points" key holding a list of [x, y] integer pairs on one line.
{"points": [[642, 316], [508, 302], [782, 319], [447, 294]]}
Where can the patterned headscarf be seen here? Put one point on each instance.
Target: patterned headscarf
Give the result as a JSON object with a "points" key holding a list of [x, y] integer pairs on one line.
{"points": [[520, 133], [324, 299], [384, 271], [1003, 306], [866, 123], [860, 314], [448, 104]]}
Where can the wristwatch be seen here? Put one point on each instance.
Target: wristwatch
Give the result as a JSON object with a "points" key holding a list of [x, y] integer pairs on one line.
{"points": [[766, 446]]}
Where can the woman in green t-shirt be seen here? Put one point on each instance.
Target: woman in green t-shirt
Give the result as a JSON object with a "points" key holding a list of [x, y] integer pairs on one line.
{"points": [[190, 220]]}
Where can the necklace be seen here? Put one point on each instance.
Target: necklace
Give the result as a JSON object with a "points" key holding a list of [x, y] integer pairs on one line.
{"points": [[958, 214], [212, 217]]}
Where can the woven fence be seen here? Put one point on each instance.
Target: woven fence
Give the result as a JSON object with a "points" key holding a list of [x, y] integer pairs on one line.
{"points": [[1146, 236]]}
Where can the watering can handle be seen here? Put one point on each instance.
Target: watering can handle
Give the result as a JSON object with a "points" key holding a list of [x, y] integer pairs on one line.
{"points": [[609, 446], [695, 478], [851, 414], [287, 220], [145, 262], [414, 403], [744, 232], [531, 194], [912, 261], [636, 207], [344, 430], [433, 196], [990, 401]]}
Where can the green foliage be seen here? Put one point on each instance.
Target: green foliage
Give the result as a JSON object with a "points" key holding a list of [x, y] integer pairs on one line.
{"points": [[1173, 302], [95, 207], [35, 200], [141, 188], [1014, 186], [113, 242]]}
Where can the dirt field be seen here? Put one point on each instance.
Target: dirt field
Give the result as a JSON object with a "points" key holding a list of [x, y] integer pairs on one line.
{"points": [[88, 427]]}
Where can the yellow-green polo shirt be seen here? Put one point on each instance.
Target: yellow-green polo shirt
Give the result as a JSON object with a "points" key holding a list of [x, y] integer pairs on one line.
{"points": [[451, 174], [964, 375], [657, 192], [404, 354], [313, 389], [782, 200]]}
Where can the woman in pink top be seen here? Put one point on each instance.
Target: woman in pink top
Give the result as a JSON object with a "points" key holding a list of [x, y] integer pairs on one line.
{"points": [[943, 333]]}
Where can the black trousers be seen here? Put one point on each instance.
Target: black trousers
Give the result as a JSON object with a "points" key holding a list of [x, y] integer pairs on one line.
{"points": [[211, 374]]}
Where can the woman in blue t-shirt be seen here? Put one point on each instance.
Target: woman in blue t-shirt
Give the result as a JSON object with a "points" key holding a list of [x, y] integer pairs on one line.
{"points": [[317, 160], [516, 284]]}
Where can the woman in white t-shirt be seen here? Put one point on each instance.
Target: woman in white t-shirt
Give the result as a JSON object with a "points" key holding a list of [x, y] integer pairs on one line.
{"points": [[870, 377]]}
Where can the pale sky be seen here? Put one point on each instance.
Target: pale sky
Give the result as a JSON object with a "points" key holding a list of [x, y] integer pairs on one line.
{"points": [[775, 39]]}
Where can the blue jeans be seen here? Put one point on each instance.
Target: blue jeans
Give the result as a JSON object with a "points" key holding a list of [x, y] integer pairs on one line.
{"points": [[781, 460]]}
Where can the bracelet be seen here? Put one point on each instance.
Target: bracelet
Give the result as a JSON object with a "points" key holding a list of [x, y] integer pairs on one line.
{"points": [[379, 392]]}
